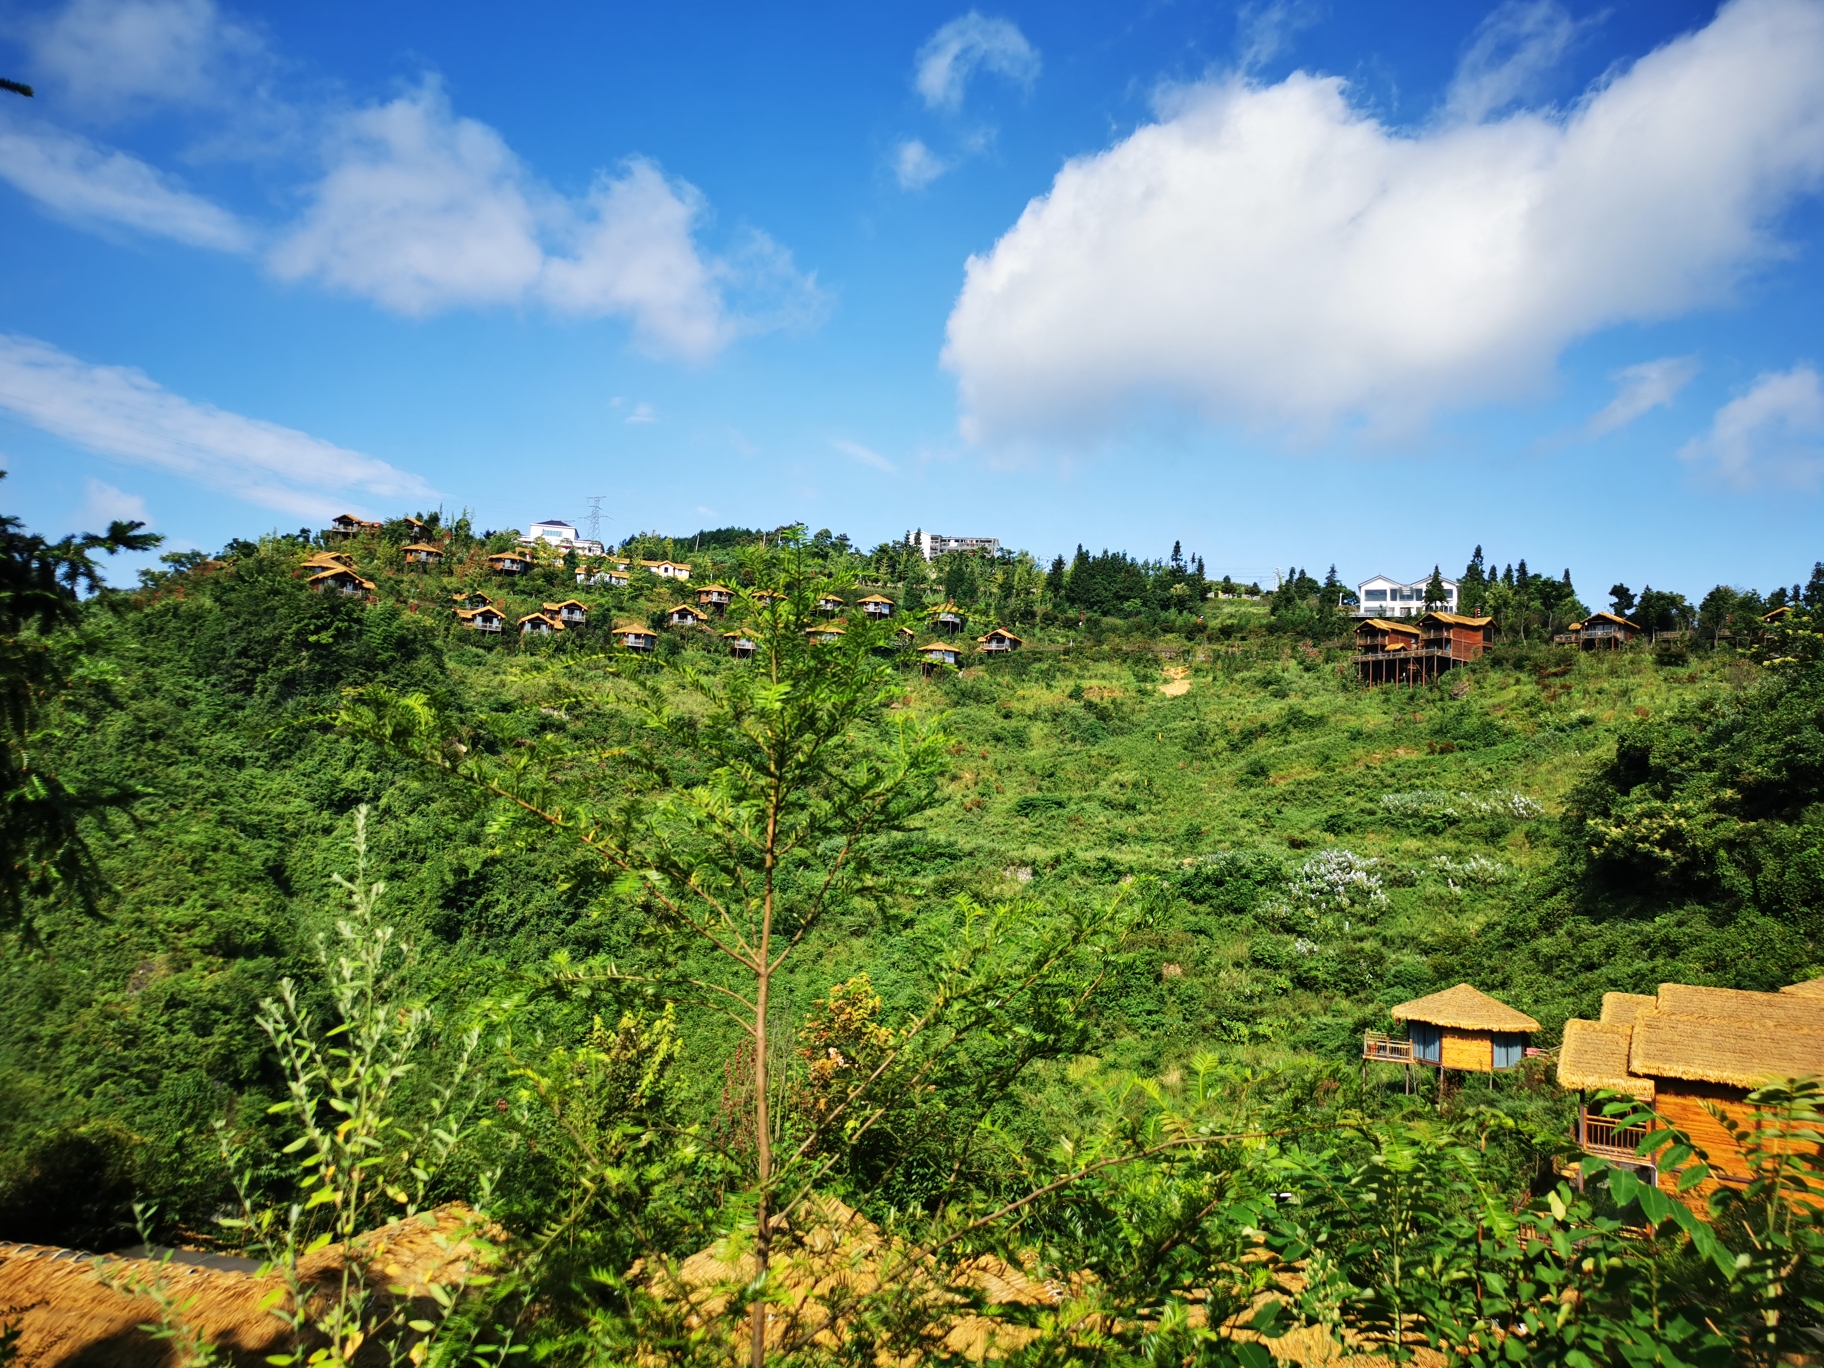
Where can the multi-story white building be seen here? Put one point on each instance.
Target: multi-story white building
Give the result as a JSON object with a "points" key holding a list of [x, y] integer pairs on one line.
{"points": [[931, 545], [560, 534], [1390, 598]]}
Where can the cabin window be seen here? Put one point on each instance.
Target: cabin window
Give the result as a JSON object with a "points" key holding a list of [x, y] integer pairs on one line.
{"points": [[1509, 1050], [1427, 1041], [1375, 595]]}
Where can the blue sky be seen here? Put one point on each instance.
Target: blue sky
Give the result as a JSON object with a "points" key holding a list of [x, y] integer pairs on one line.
{"points": [[1292, 283]]}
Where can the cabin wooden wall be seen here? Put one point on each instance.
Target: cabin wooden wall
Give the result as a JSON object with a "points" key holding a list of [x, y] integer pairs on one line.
{"points": [[1472, 1050]]}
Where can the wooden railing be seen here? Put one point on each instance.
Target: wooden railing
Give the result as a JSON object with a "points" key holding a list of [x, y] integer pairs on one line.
{"points": [[1386, 1049], [1604, 1138]]}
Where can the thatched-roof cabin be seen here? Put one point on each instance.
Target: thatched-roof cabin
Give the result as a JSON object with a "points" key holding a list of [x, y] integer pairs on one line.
{"points": [[832, 631], [1000, 639], [685, 615], [340, 581], [740, 646], [1459, 1028], [539, 624], [569, 612], [946, 617], [486, 618], [1686, 1051], [716, 597], [423, 553], [635, 636], [510, 562], [877, 606]]}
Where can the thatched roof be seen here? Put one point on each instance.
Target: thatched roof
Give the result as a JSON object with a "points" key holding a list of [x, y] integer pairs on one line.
{"points": [[1810, 988], [1595, 1055], [1465, 1009], [1757, 1011], [1623, 1008], [70, 1316], [1721, 1050]]}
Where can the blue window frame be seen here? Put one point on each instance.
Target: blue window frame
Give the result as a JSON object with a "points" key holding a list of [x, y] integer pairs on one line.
{"points": [[1427, 1041], [1509, 1050], [1375, 595]]}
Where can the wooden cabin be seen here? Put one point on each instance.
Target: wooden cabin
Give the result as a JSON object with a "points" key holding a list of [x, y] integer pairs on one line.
{"points": [[509, 562], [1000, 639], [665, 569], [1385, 650], [831, 631], [1455, 639], [739, 646], [329, 560], [715, 597], [340, 580], [877, 607], [423, 553], [614, 576], [947, 618], [486, 618], [1684, 1051], [635, 636], [473, 599], [569, 612], [830, 604], [767, 597], [684, 615], [1459, 1028], [539, 624], [348, 525], [936, 656], [1599, 632], [903, 637]]}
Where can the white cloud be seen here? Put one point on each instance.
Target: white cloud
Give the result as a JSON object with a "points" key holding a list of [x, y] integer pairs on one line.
{"points": [[1772, 435], [952, 55], [119, 412], [856, 451], [1514, 50], [634, 256], [113, 57], [74, 177], [916, 165], [643, 412], [104, 504], [422, 210], [1642, 388], [1275, 255]]}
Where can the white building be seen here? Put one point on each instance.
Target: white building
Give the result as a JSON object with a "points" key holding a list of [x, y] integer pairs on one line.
{"points": [[1390, 598], [931, 545], [559, 534]]}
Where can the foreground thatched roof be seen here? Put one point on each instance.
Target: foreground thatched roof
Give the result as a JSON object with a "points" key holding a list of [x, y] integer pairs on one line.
{"points": [[1754, 1011], [1809, 988], [1595, 1055], [71, 1315], [1731, 1051], [1465, 1009], [1623, 1008]]}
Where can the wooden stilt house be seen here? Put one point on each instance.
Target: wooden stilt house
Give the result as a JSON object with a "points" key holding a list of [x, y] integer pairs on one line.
{"points": [[715, 598], [877, 607], [569, 612], [947, 618], [740, 646], [1690, 1052], [423, 553], [483, 618], [684, 615], [1000, 639], [539, 624], [1599, 632], [1384, 650], [341, 581], [510, 562], [1459, 1028], [936, 656]]}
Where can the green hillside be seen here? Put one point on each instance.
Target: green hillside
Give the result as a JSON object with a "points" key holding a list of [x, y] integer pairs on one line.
{"points": [[1294, 853]]}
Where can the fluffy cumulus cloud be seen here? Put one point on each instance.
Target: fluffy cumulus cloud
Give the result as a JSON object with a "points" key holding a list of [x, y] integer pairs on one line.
{"points": [[1275, 255], [962, 47], [1641, 388], [78, 179], [120, 412], [423, 210], [1771, 435]]}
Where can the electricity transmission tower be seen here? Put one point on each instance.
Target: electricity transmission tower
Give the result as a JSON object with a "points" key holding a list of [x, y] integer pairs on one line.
{"points": [[594, 518]]}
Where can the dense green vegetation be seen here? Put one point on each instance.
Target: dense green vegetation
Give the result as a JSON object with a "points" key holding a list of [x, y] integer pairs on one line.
{"points": [[1150, 876]]}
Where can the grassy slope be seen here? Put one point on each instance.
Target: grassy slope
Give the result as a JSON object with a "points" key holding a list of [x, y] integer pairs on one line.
{"points": [[121, 1039]]}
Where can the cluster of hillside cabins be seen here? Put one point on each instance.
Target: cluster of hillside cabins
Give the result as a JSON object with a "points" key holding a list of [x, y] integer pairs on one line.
{"points": [[1691, 1054]]}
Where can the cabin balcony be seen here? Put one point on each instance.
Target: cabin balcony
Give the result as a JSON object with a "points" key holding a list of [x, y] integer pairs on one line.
{"points": [[1601, 1137], [1386, 1050]]}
